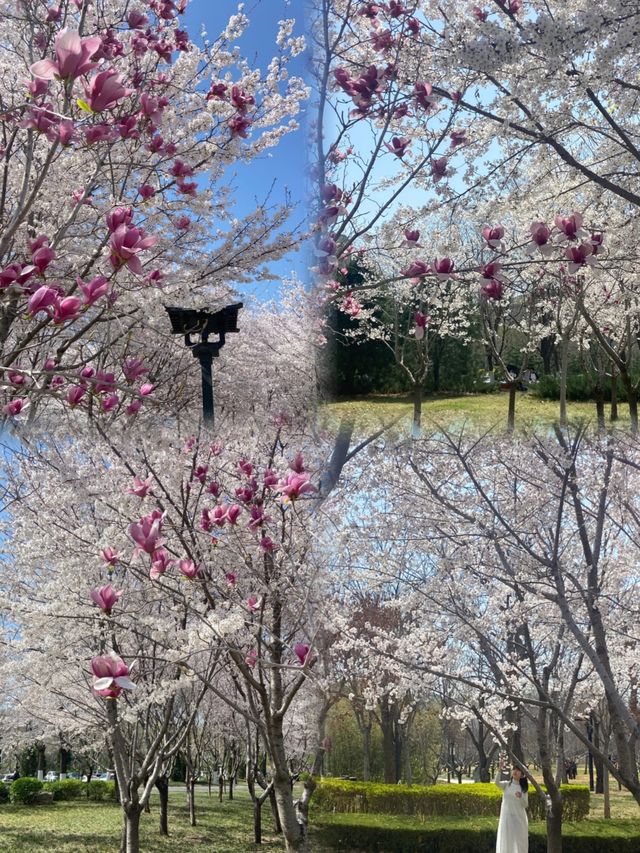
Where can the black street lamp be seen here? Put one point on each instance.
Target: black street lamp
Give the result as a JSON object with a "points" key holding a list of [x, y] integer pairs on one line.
{"points": [[193, 321]]}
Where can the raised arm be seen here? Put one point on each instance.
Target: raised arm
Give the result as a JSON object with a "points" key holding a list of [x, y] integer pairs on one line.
{"points": [[501, 783]]}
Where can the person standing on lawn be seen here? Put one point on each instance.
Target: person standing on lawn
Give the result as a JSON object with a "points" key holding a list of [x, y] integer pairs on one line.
{"points": [[513, 827]]}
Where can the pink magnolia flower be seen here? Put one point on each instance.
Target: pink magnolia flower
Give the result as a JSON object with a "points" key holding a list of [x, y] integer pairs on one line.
{"points": [[443, 268], [493, 289], [251, 658], [41, 258], [270, 478], [297, 463], [110, 556], [268, 545], [571, 226], [579, 256], [216, 90], [438, 168], [109, 402], [146, 191], [104, 91], [146, 532], [458, 137], [75, 394], [160, 562], [241, 100], [17, 379], [137, 20], [66, 309], [119, 216], [103, 381], [182, 223], [258, 518], [214, 489], [93, 290], [540, 238], [42, 299], [245, 467], [597, 242], [479, 13], [398, 146], [106, 597], [493, 236], [218, 515], [200, 474], [301, 651], [294, 485], [111, 674], [73, 57], [253, 603], [146, 389], [423, 93], [189, 569], [133, 368], [416, 269], [411, 235], [233, 513], [231, 578], [238, 125], [65, 132], [420, 324], [14, 407], [134, 407], [141, 488], [126, 244]]}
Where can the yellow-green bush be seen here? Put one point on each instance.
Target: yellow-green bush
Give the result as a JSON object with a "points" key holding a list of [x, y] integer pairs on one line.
{"points": [[336, 795]]}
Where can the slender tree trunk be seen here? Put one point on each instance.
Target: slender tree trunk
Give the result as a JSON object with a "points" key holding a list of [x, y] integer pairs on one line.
{"points": [[599, 394], [162, 784], [614, 395], [564, 371], [417, 410], [257, 821], [554, 825], [191, 798], [633, 410], [388, 742], [366, 753], [277, 825], [511, 414], [231, 783]]}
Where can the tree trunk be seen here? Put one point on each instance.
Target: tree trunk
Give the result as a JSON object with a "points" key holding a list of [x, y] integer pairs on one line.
{"points": [[191, 798], [132, 818], [554, 825], [42, 764], [231, 783], [388, 742], [162, 784], [564, 370], [257, 821], [511, 414], [417, 410], [614, 395], [633, 410], [277, 826], [366, 753], [600, 416]]}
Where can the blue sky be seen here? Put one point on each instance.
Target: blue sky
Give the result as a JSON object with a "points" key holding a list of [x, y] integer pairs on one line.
{"points": [[287, 162]]}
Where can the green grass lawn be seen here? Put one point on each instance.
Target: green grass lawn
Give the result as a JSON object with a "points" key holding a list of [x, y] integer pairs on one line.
{"points": [[227, 827], [479, 411]]}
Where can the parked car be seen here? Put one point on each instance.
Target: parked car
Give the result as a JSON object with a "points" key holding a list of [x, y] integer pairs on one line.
{"points": [[8, 778], [51, 776], [73, 775]]}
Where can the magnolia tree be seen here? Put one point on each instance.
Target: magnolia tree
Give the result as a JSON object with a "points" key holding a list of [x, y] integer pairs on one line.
{"points": [[199, 553], [118, 135]]}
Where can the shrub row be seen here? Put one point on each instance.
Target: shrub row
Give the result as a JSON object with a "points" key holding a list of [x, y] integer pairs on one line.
{"points": [[25, 790], [358, 836], [334, 795]]}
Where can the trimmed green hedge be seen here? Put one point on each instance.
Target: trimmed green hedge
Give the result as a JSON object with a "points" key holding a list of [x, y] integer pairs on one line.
{"points": [[99, 790], [24, 790], [66, 789], [391, 834], [336, 795], [4, 793]]}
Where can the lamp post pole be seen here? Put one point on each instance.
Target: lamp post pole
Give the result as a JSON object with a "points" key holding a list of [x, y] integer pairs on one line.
{"points": [[188, 322]]}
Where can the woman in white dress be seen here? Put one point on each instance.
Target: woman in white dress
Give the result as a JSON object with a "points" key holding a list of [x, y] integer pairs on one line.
{"points": [[513, 828]]}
